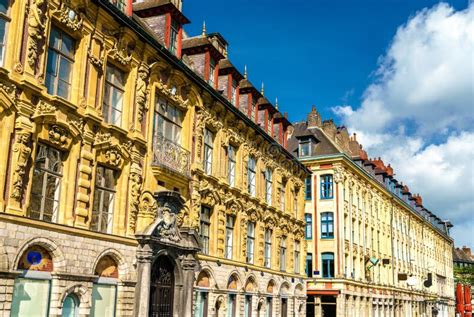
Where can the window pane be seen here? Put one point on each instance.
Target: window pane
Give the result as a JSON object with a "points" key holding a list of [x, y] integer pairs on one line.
{"points": [[4, 6], [67, 45], [70, 306], [103, 301], [54, 38], [30, 298]]}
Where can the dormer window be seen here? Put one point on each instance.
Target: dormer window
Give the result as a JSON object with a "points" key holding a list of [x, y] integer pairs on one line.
{"points": [[174, 36], [304, 148], [253, 109], [212, 71]]}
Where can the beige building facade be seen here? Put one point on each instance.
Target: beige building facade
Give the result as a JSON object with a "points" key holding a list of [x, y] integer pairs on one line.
{"points": [[373, 248], [141, 174]]}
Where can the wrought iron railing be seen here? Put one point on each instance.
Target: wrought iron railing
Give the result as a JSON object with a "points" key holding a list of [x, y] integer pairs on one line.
{"points": [[170, 155]]}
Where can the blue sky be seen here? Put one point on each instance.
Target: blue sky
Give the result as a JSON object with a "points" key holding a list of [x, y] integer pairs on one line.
{"points": [[400, 73], [307, 52]]}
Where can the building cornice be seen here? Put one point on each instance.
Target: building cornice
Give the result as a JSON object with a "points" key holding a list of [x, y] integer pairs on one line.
{"points": [[343, 158]]}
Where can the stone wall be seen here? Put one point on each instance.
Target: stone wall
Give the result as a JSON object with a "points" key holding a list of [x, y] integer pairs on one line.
{"points": [[74, 258]]}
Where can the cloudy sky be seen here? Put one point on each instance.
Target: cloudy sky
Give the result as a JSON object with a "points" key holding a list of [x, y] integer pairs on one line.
{"points": [[399, 73]]}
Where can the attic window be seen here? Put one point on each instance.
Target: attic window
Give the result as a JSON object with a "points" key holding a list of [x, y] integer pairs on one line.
{"points": [[174, 32], [305, 148]]}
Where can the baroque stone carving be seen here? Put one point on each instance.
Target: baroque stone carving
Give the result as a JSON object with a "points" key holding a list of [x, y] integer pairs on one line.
{"points": [[21, 154], [167, 225], [121, 52], [69, 17], [58, 135], [142, 90], [9, 88], [135, 180], [37, 19], [43, 108], [113, 157], [102, 137]]}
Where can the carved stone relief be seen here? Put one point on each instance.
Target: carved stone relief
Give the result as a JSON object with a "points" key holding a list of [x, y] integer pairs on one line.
{"points": [[37, 19], [20, 156]]}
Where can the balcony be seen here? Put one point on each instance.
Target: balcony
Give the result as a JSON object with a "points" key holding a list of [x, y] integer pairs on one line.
{"points": [[171, 156]]}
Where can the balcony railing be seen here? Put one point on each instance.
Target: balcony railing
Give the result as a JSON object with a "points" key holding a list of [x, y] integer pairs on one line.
{"points": [[170, 155]]}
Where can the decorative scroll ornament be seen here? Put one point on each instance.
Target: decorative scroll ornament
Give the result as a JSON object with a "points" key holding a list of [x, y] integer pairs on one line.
{"points": [[78, 124], [338, 174], [113, 157], [37, 19], [69, 17], [135, 180], [21, 154], [120, 53], [43, 108], [102, 137], [97, 62], [142, 90], [58, 135], [9, 88], [167, 228]]}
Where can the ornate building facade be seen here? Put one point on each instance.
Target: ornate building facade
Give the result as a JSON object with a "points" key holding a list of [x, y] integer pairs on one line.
{"points": [[373, 248], [142, 174]]}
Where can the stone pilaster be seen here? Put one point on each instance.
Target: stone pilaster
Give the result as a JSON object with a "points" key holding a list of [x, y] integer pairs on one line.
{"points": [[142, 291]]}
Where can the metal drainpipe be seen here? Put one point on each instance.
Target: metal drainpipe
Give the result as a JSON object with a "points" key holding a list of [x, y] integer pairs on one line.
{"points": [[393, 264]]}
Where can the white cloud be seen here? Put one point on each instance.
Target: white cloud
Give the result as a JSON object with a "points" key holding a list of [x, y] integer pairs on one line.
{"points": [[426, 74], [423, 92]]}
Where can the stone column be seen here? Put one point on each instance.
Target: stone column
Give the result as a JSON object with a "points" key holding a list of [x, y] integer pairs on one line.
{"points": [[142, 290], [188, 265]]}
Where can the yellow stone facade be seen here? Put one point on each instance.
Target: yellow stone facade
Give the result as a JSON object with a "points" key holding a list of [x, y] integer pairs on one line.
{"points": [[74, 130], [391, 256]]}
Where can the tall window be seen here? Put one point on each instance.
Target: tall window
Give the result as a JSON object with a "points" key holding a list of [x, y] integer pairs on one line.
{"points": [[104, 193], [168, 121], [268, 247], [248, 306], [309, 265], [205, 228], [283, 197], [201, 304], [104, 298], [174, 31], [326, 187], [46, 184], [297, 257], [212, 71], [231, 172], [307, 187], [251, 172], [59, 64], [208, 149], [327, 225], [305, 148], [113, 95], [268, 186], [283, 254], [234, 91], [309, 226], [328, 265], [250, 241], [231, 305], [4, 19], [229, 236], [268, 307]]}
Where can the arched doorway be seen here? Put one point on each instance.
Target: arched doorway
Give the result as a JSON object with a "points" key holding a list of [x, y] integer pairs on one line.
{"points": [[161, 288]]}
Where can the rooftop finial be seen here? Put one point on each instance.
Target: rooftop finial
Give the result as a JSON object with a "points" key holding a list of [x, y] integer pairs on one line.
{"points": [[203, 29], [245, 71], [276, 103], [262, 91]]}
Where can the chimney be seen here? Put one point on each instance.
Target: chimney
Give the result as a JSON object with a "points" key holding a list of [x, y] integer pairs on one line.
{"points": [[467, 251], [314, 118]]}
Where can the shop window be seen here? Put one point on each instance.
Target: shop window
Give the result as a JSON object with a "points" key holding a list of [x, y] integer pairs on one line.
{"points": [[201, 299], [31, 291], [70, 306], [104, 289]]}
